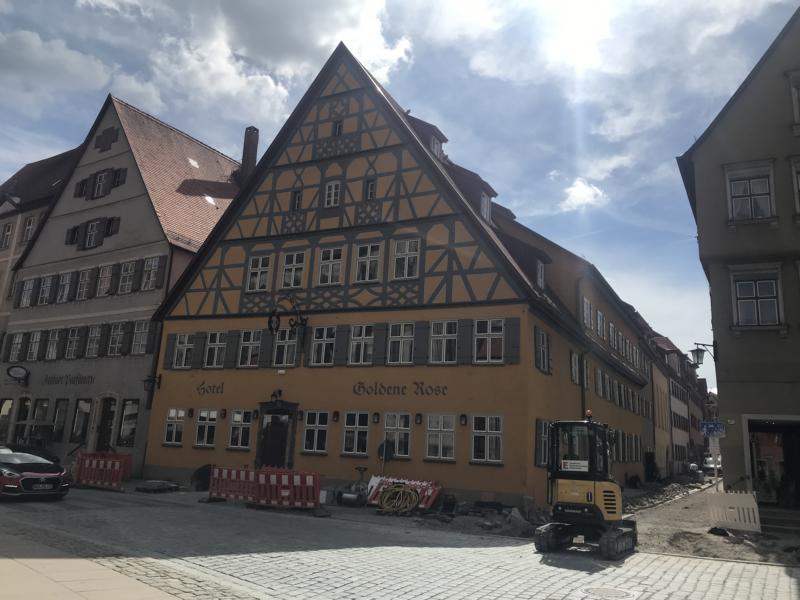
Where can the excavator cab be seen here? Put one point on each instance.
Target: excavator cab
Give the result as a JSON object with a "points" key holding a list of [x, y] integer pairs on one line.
{"points": [[586, 500]]}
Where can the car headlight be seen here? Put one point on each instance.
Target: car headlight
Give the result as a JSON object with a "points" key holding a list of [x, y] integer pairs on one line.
{"points": [[8, 473]]}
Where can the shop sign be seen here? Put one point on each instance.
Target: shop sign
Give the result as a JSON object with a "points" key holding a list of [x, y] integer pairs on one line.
{"points": [[68, 379], [575, 465], [417, 388], [210, 389], [713, 429]]}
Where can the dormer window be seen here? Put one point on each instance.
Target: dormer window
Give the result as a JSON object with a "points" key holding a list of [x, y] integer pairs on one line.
{"points": [[486, 207], [436, 146], [338, 127], [540, 274]]}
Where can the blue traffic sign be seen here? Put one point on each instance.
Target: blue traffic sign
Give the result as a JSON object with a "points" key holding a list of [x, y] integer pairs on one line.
{"points": [[713, 428]]}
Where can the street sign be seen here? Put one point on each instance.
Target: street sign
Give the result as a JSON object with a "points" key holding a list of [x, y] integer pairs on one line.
{"points": [[713, 428]]}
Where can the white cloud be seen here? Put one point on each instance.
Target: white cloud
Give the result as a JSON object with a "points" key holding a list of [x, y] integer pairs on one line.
{"points": [[601, 168], [582, 194], [35, 72], [5, 7], [143, 94]]}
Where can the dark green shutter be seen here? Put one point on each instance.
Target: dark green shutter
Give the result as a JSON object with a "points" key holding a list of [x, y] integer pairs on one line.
{"points": [[549, 353], [421, 329], [138, 269], [101, 232], [73, 285], [18, 294], [23, 350], [265, 352], [169, 351], [37, 284], [152, 328], [114, 286], [91, 287], [511, 340], [62, 343], [161, 271], [54, 283], [341, 345], [7, 346], [80, 238], [105, 331], [43, 338], [199, 350], [379, 331], [83, 338], [127, 338], [107, 182], [231, 349], [465, 341]]}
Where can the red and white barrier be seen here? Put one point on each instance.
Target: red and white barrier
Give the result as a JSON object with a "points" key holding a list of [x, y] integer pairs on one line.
{"points": [[268, 487], [102, 470]]}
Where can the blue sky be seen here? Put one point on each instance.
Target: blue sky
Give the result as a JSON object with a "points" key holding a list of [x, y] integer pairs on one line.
{"points": [[572, 109]]}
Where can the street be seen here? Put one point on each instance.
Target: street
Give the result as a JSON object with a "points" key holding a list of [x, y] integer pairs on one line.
{"points": [[225, 551]]}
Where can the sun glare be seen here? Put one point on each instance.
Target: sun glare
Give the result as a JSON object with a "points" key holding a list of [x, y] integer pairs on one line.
{"points": [[573, 31]]}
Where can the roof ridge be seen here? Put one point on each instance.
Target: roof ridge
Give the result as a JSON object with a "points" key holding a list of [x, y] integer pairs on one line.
{"points": [[173, 128]]}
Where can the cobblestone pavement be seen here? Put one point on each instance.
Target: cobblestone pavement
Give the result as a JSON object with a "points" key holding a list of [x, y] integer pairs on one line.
{"points": [[224, 551]]}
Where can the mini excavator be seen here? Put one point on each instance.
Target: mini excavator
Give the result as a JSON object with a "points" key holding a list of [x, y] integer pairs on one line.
{"points": [[586, 499]]}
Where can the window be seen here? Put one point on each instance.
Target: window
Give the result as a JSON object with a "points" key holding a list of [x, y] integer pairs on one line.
{"points": [[44, 290], [99, 183], [26, 297], [540, 273], [293, 269], [436, 146], [183, 351], [71, 349], [126, 277], [206, 427], [5, 238], [257, 272], [612, 335], [574, 367], [750, 198], [27, 229], [542, 441], [542, 350], [486, 207], [16, 348], [250, 348], [356, 430], [80, 424], [322, 347], [330, 266], [104, 280], [587, 313], [397, 433], [441, 437], [601, 325], [316, 434], [361, 340], [488, 340], [60, 419], [33, 345], [367, 262], [337, 128], [297, 200], [93, 341], [63, 287], [127, 424], [91, 234], [285, 348], [487, 439], [757, 302], [174, 430], [444, 341], [115, 334], [401, 343], [139, 341], [149, 273], [370, 188], [406, 259], [598, 383], [51, 353], [82, 290], [332, 189], [40, 409], [241, 420], [215, 350]]}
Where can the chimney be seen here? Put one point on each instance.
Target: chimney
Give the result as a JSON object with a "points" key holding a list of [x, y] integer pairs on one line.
{"points": [[249, 152]]}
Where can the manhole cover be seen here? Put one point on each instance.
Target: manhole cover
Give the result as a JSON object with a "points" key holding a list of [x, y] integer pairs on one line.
{"points": [[610, 593]]}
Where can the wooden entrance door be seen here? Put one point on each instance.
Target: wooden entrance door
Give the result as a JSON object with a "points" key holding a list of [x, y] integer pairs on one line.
{"points": [[274, 441], [105, 426]]}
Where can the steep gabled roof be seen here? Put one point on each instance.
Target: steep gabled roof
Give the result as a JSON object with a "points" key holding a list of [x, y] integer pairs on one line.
{"points": [[189, 183], [685, 164], [39, 183]]}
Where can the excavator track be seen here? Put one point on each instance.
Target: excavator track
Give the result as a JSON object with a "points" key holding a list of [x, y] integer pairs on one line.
{"points": [[617, 542], [552, 537]]}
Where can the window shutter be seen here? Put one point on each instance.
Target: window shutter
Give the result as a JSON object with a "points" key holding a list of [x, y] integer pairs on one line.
{"points": [[37, 284], [119, 176], [421, 329], [80, 236], [107, 182], [379, 332], [537, 335], [17, 294], [127, 338], [169, 351], [341, 345], [115, 269], [199, 350], [101, 231], [7, 346], [265, 352], [549, 353], [54, 281], [80, 189], [62, 343], [91, 289], [83, 337], [112, 226], [71, 236], [90, 186], [464, 341], [73, 285], [231, 349], [511, 341], [138, 269], [43, 338], [161, 271], [152, 328], [105, 330], [23, 349]]}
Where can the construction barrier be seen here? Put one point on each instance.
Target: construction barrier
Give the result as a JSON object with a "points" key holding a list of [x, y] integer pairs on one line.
{"points": [[102, 470], [428, 490], [734, 510], [268, 487]]}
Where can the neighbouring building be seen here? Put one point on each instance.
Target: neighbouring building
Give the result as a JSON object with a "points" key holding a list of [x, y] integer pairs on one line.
{"points": [[742, 178], [433, 327], [134, 209]]}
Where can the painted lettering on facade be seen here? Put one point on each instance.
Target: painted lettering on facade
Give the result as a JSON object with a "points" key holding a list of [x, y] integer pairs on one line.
{"points": [[417, 388], [68, 379], [210, 389]]}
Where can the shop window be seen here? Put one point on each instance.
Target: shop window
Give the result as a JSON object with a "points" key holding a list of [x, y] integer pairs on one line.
{"points": [[59, 420], [80, 424], [127, 424], [316, 433]]}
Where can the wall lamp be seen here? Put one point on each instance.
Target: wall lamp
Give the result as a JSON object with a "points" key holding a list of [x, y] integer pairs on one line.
{"points": [[462, 419], [418, 418], [376, 417], [336, 416], [152, 382], [700, 350]]}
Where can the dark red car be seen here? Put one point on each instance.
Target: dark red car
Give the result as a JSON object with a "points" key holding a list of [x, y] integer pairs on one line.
{"points": [[24, 474]]}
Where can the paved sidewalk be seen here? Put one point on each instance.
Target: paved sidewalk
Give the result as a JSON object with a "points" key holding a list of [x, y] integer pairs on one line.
{"points": [[30, 570]]}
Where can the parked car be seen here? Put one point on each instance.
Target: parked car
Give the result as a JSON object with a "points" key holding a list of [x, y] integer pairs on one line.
{"points": [[708, 465], [24, 474]]}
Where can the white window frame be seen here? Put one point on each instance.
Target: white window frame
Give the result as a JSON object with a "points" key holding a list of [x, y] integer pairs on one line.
{"points": [[241, 422], [759, 272], [92, 228], [540, 274], [330, 264], [364, 264], [324, 338], [173, 432], [104, 275], [64, 281], [33, 345], [27, 228], [44, 290], [612, 335], [333, 193], [93, 341], [574, 367], [488, 336], [126, 272], [587, 313], [360, 431], [397, 426], [26, 297], [5, 240], [258, 273], [362, 339], [294, 269], [16, 348], [400, 344], [441, 340], [316, 423], [486, 207], [206, 422], [215, 350], [51, 352], [750, 170], [285, 340], [370, 189], [406, 258], [601, 324], [116, 331], [542, 354], [141, 329], [492, 430], [184, 349], [542, 450], [249, 348], [82, 289], [440, 427], [149, 273], [99, 180], [296, 200]]}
